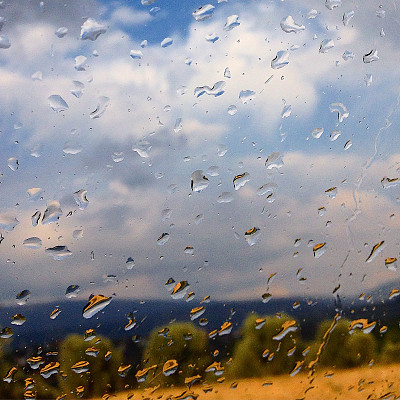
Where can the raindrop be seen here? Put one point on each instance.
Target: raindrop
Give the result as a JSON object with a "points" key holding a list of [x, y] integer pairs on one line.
{"points": [[129, 263], [317, 133], [312, 14], [225, 329], [212, 37], [102, 103], [163, 239], [288, 25], [375, 251], [6, 333], [371, 56], [347, 145], [213, 170], [241, 180], [80, 63], [37, 76], [178, 125], [347, 17], [231, 22], [13, 163], [203, 13], [363, 325], [80, 367], [8, 222], [331, 4], [394, 293], [334, 135], [18, 319], [96, 303], [166, 42], [197, 312], [59, 253], [348, 55], [136, 54], [170, 367], [52, 213], [252, 236], [319, 249], [286, 111], [340, 109], [274, 161], [225, 197], [57, 103], [266, 297], [72, 291], [287, 327], [78, 89], [368, 79], [281, 59], [61, 32], [198, 181], [232, 110], [35, 218], [216, 90], [91, 29], [55, 313], [143, 44], [321, 211], [296, 369], [166, 214], [227, 73], [391, 264], [50, 369], [72, 147], [331, 192], [142, 147], [325, 45], [33, 243], [222, 150], [10, 375], [179, 290], [189, 250], [246, 95], [36, 151], [81, 199]]}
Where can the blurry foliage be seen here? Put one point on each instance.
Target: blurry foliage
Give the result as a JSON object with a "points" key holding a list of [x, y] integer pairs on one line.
{"points": [[186, 344], [248, 360], [102, 376]]}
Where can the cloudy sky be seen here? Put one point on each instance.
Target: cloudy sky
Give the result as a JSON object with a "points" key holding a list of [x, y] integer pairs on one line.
{"points": [[119, 87]]}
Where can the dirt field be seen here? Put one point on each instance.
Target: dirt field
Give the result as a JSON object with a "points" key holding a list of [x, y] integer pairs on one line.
{"points": [[377, 382]]}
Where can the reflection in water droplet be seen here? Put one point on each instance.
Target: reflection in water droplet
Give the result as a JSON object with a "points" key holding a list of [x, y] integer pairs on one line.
{"points": [[212, 37], [23, 297], [9, 377], [281, 59], [296, 369], [288, 25], [57, 103], [362, 324], [34, 193], [225, 329], [394, 293], [287, 327], [91, 29], [331, 192], [371, 56], [13, 163], [197, 312], [80, 63], [240, 180], [375, 251], [231, 22], [347, 17], [102, 103], [347, 145], [8, 222], [334, 135], [225, 197], [348, 55], [52, 212], [163, 239], [179, 290], [232, 110], [33, 243], [321, 211], [61, 32], [72, 147], [203, 13], [4, 42], [78, 89], [80, 367], [319, 249], [389, 182], [55, 313], [246, 95], [217, 90], [96, 303], [274, 161], [136, 54], [50, 369], [170, 367], [252, 236], [81, 199], [198, 181], [18, 319], [326, 45], [391, 264], [6, 333], [340, 109], [331, 4]]}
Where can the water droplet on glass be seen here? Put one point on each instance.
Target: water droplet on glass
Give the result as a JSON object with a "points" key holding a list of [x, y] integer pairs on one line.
{"points": [[319, 249], [80, 63], [37, 76], [81, 199], [232, 110], [368, 79], [317, 133], [347, 145], [213, 170], [281, 59], [296, 369], [321, 211], [252, 236], [166, 42], [203, 13], [136, 54], [163, 239], [55, 313], [52, 213], [50, 369], [131, 324], [347, 17], [96, 303], [4, 42], [340, 109], [325, 45], [33, 243], [212, 37], [18, 319], [274, 161], [225, 329], [371, 56], [240, 180], [80, 367], [6, 333], [61, 32], [78, 89], [72, 291], [331, 4], [35, 362], [170, 367], [391, 264], [222, 150], [36, 151], [361, 324], [348, 55], [57, 103], [334, 135], [312, 14], [375, 251], [198, 181], [331, 192], [216, 90], [197, 312], [13, 163], [91, 29], [246, 95], [9, 377], [231, 22], [394, 293], [288, 25], [72, 147], [8, 222], [227, 73], [198, 219], [225, 197], [179, 290], [142, 147], [266, 297], [59, 253], [189, 250], [380, 13], [102, 103]]}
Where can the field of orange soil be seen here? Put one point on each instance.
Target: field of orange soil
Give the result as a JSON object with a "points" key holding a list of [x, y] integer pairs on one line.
{"points": [[372, 383]]}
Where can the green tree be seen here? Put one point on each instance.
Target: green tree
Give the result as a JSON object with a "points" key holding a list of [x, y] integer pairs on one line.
{"points": [[183, 342], [261, 352], [102, 375]]}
